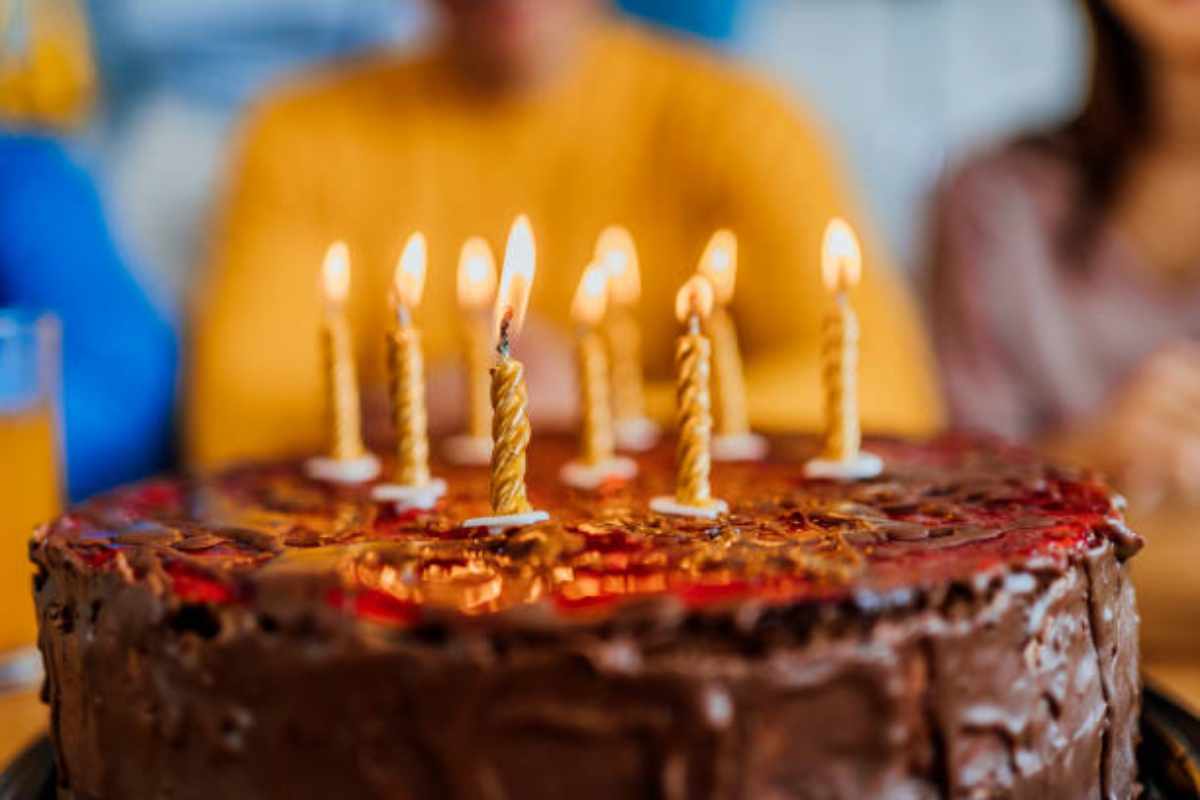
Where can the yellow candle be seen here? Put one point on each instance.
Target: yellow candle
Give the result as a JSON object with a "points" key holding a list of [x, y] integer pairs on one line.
{"points": [[510, 420], [841, 268], [510, 432], [476, 291], [719, 265], [479, 407], [406, 368], [692, 405], [616, 253], [587, 310], [624, 342], [337, 347]]}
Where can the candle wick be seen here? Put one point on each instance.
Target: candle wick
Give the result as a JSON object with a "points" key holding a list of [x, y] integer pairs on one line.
{"points": [[403, 315], [694, 324], [504, 347]]}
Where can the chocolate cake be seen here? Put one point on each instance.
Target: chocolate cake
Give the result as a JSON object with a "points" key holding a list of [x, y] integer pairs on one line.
{"points": [[962, 626]]}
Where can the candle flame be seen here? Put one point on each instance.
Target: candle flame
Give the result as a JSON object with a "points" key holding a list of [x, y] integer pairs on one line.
{"points": [[841, 257], [335, 273], [591, 298], [408, 282], [516, 280], [476, 274], [616, 252], [719, 264], [695, 299]]}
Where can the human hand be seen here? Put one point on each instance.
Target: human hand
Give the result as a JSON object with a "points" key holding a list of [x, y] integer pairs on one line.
{"points": [[1147, 437]]}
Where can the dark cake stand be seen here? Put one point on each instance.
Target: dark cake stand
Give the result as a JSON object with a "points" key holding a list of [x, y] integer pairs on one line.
{"points": [[1169, 757]]}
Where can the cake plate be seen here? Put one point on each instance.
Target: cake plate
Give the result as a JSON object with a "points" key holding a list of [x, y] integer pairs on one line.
{"points": [[31, 775], [1168, 757], [1169, 754]]}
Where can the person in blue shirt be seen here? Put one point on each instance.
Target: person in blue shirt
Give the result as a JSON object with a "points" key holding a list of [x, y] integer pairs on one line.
{"points": [[119, 353]]}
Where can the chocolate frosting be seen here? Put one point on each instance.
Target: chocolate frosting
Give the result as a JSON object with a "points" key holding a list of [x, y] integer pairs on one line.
{"points": [[962, 626]]}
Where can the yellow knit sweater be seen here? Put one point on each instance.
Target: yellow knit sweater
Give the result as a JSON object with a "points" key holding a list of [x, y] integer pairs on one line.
{"points": [[668, 142]]}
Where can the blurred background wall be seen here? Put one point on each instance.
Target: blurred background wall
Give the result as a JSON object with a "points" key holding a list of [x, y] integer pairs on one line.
{"points": [[910, 86]]}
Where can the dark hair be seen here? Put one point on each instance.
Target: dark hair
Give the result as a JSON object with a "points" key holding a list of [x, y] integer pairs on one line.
{"points": [[1112, 124]]}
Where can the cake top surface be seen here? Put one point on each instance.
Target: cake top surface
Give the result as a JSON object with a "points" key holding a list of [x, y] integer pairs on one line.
{"points": [[946, 512]]}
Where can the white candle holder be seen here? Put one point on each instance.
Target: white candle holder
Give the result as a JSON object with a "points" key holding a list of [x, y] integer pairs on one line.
{"points": [[467, 450], [502, 522], [636, 435], [861, 467], [587, 477], [346, 471], [408, 498], [746, 446], [667, 504]]}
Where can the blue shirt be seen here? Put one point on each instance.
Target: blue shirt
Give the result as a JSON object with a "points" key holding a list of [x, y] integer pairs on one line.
{"points": [[119, 352], [715, 20]]}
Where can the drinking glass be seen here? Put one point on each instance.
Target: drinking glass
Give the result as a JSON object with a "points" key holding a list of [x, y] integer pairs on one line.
{"points": [[31, 481]]}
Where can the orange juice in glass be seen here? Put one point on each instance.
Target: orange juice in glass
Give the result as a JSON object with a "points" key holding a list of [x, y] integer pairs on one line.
{"points": [[30, 472]]}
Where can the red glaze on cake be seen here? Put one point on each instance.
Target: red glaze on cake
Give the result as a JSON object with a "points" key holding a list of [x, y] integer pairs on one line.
{"points": [[963, 626]]}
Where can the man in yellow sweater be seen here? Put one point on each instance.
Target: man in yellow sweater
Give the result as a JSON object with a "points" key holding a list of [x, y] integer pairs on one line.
{"points": [[550, 108]]}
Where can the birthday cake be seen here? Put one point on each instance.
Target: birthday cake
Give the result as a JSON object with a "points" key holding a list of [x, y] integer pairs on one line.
{"points": [[962, 625]]}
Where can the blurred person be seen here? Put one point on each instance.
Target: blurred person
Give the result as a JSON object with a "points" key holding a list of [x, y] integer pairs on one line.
{"points": [[175, 74], [56, 254], [546, 107], [1066, 266]]}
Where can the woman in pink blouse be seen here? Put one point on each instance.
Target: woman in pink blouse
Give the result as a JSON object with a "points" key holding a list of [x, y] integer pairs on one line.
{"points": [[1066, 266]]}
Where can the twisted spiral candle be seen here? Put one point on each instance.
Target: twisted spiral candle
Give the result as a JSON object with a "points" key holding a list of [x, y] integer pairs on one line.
{"points": [[596, 434], [842, 457], [840, 358], [479, 409], [729, 384], [510, 432], [342, 403], [693, 461], [406, 370], [624, 341]]}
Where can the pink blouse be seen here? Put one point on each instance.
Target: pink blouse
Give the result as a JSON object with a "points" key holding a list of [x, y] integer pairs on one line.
{"points": [[1027, 342]]}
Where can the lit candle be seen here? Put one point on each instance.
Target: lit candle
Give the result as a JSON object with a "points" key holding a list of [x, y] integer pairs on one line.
{"points": [[733, 440], [693, 494], [616, 252], [411, 486], [841, 269], [510, 420], [348, 460], [476, 292], [597, 462], [587, 310]]}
